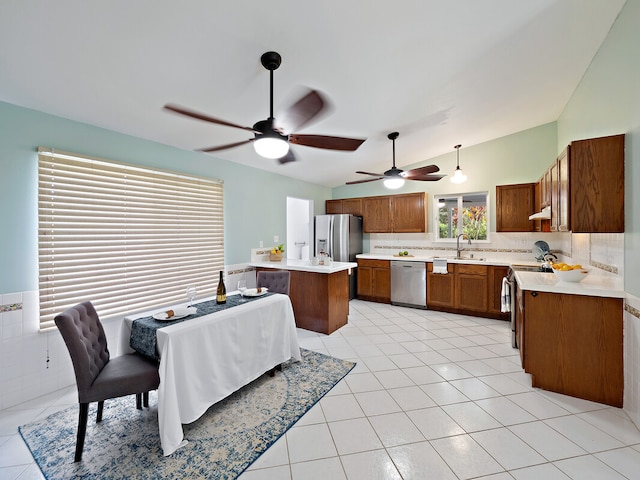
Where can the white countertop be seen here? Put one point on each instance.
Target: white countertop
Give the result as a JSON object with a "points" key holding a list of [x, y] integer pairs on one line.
{"points": [[593, 285], [306, 266]]}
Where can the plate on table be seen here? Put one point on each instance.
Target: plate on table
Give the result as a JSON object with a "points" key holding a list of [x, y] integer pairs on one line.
{"points": [[253, 292], [175, 313]]}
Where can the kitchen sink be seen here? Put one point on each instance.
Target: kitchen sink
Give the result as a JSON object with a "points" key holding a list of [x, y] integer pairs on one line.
{"points": [[462, 259]]}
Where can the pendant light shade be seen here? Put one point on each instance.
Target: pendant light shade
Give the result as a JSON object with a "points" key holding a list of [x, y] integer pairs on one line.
{"points": [[458, 175]]}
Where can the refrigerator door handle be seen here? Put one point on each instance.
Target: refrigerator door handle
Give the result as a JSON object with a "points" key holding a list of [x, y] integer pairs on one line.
{"points": [[332, 240]]}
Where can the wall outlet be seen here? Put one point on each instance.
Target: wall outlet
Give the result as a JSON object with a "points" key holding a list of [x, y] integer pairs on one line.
{"points": [[276, 239]]}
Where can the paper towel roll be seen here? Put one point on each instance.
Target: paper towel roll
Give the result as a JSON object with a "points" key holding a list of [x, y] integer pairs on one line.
{"points": [[304, 252]]}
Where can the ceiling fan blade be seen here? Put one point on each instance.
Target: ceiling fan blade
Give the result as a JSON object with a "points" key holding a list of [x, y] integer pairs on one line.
{"points": [[202, 116], [369, 173], [421, 171], [426, 178], [364, 181], [327, 142], [224, 147], [302, 112], [289, 157]]}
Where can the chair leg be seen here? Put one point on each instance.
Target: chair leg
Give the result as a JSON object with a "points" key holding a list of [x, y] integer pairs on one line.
{"points": [[145, 399], [139, 401], [82, 429], [100, 407]]}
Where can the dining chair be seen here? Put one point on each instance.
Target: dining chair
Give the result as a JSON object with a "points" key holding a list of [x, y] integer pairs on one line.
{"points": [[98, 376], [275, 281]]}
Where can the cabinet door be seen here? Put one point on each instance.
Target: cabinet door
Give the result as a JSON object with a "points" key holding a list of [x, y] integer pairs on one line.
{"points": [[471, 287], [377, 218], [564, 219], [441, 287], [364, 281], [352, 206], [409, 213], [514, 204], [382, 284], [333, 207], [555, 193], [520, 326]]}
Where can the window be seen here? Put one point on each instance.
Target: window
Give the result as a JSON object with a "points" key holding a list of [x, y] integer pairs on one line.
{"points": [[122, 236], [466, 213]]}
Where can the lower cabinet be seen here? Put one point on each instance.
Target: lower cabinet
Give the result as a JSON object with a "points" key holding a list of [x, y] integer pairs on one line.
{"points": [[471, 288], [374, 280], [441, 287], [573, 344]]}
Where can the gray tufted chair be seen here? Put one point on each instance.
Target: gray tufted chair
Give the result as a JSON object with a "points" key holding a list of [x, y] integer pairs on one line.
{"points": [[276, 281], [99, 377]]}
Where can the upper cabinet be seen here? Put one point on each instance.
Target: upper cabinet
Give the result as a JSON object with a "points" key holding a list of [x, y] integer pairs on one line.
{"points": [[404, 213], [514, 204], [587, 187]]}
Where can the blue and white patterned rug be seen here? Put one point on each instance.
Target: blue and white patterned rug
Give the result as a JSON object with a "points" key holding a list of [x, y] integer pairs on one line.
{"points": [[230, 436]]}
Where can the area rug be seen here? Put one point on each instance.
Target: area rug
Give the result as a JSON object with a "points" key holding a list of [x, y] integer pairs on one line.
{"points": [[230, 436]]}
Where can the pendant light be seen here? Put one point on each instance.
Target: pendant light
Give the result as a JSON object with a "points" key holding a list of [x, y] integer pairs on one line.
{"points": [[458, 176]]}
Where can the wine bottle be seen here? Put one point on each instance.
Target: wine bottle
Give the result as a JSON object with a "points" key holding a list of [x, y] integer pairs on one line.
{"points": [[221, 294]]}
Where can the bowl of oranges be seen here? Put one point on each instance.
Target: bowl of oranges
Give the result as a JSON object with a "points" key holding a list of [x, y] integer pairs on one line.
{"points": [[569, 273]]}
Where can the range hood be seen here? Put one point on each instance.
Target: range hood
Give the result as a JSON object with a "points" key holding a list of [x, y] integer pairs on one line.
{"points": [[544, 214]]}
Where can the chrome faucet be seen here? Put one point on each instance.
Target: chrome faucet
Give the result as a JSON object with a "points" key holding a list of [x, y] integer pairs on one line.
{"points": [[458, 248]]}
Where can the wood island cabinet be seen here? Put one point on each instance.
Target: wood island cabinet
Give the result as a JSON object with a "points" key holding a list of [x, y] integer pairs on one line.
{"points": [[573, 344], [514, 204], [374, 280]]}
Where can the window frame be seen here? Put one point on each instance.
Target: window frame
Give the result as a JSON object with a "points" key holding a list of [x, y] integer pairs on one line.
{"points": [[460, 198]]}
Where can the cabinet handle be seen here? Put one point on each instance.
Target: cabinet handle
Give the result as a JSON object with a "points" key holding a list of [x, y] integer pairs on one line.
{"points": [[534, 294]]}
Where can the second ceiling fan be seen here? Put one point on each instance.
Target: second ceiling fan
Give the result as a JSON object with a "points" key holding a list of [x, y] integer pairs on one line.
{"points": [[272, 139], [394, 177]]}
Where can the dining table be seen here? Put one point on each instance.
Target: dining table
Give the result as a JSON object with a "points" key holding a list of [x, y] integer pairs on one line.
{"points": [[205, 359]]}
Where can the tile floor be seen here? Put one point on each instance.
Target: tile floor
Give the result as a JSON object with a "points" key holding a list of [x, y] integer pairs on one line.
{"points": [[433, 396]]}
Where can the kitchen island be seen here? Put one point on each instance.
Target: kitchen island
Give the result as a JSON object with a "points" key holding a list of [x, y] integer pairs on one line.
{"points": [[319, 293]]}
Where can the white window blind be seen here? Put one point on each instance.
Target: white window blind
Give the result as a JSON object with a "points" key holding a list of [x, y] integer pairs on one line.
{"points": [[125, 237]]}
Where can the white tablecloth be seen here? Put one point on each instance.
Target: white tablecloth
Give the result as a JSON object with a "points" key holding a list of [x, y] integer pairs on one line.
{"points": [[206, 359]]}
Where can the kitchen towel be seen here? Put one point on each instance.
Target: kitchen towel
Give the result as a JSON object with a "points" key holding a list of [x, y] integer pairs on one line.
{"points": [[505, 296], [440, 265]]}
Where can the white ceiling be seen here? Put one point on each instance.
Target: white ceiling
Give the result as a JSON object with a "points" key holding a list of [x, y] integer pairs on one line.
{"points": [[441, 72]]}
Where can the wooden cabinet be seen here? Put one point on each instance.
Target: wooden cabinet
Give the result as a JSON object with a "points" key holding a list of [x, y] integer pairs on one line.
{"points": [[587, 187], [374, 280], [351, 206], [409, 213], [514, 204], [471, 288], [441, 287], [494, 291], [377, 214], [573, 344], [545, 189]]}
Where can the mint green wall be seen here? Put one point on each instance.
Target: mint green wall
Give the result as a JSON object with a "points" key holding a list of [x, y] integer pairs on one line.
{"points": [[255, 200], [517, 158], [607, 102]]}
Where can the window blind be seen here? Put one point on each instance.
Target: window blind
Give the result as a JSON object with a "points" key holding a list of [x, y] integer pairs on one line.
{"points": [[125, 237]]}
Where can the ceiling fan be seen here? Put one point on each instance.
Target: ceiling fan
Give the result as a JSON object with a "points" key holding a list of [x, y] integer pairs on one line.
{"points": [[271, 140], [394, 177]]}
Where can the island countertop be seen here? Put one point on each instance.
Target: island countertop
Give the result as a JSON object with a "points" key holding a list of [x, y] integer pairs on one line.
{"points": [[305, 266]]}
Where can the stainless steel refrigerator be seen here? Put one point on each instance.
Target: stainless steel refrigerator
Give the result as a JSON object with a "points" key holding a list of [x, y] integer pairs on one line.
{"points": [[340, 237]]}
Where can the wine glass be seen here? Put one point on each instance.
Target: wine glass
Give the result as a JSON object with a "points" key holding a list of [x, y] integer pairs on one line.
{"points": [[242, 286], [191, 292]]}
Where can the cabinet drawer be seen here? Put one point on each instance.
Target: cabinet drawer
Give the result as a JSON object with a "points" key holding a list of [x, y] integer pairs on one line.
{"points": [[469, 269], [362, 262]]}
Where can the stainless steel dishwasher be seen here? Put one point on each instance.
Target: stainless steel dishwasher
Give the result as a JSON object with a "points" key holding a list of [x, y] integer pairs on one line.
{"points": [[409, 284]]}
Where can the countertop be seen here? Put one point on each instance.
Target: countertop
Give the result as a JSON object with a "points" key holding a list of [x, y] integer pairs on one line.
{"points": [[306, 266], [593, 285]]}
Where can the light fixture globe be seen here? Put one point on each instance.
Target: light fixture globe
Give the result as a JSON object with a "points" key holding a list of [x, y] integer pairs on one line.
{"points": [[393, 183], [268, 142], [458, 175]]}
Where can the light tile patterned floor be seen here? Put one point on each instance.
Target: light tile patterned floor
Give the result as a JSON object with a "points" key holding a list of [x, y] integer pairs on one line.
{"points": [[434, 396]]}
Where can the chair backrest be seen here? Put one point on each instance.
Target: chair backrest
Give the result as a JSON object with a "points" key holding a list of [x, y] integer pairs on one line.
{"points": [[277, 282], [87, 344]]}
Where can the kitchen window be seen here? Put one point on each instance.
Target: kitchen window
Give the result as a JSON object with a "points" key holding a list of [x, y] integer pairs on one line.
{"points": [[466, 213], [125, 237]]}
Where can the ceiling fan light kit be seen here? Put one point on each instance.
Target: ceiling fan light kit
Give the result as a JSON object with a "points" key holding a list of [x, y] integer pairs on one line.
{"points": [[394, 177], [458, 175], [270, 141]]}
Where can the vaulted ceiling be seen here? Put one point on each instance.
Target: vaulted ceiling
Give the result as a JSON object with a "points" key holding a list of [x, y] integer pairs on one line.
{"points": [[441, 72]]}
